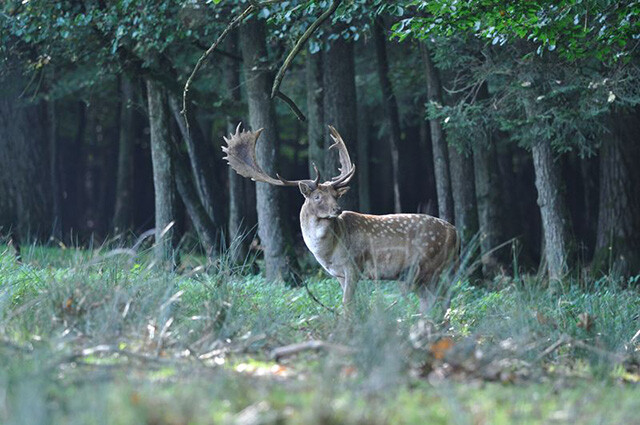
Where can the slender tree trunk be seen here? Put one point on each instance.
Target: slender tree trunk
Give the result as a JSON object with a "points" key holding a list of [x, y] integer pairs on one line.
{"points": [[163, 172], [201, 157], [426, 152], [390, 106], [123, 215], [555, 220], [201, 220], [487, 181], [340, 109], [242, 191], [618, 236], [508, 200], [464, 194], [54, 175], [363, 169], [439, 144], [315, 112], [488, 196], [272, 230], [72, 166]]}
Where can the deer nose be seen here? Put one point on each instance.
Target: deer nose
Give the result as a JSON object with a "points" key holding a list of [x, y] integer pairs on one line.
{"points": [[337, 210]]}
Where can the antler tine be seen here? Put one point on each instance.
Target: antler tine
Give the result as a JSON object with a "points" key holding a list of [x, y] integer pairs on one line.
{"points": [[241, 156], [347, 168]]}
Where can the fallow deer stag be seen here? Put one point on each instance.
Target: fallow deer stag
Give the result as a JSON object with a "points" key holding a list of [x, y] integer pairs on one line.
{"points": [[350, 245]]}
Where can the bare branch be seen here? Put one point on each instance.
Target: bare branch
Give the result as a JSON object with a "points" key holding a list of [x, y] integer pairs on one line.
{"points": [[234, 23], [286, 99], [296, 49]]}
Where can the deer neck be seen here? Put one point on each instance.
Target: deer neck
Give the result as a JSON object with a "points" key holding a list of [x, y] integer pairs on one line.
{"points": [[321, 235]]}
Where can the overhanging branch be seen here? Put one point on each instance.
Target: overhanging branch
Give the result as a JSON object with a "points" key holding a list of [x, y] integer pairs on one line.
{"points": [[298, 46], [286, 99], [234, 23]]}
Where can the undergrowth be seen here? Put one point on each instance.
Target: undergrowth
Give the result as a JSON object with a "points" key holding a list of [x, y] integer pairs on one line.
{"points": [[105, 337]]}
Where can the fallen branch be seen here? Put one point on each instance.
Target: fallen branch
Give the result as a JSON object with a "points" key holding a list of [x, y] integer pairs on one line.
{"points": [[108, 349], [564, 339], [296, 49], [280, 353]]}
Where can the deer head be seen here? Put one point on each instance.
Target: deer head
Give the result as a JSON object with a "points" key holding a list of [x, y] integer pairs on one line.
{"points": [[321, 198]]}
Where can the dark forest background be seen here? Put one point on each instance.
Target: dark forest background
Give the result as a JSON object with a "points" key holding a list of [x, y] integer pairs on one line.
{"points": [[515, 122]]}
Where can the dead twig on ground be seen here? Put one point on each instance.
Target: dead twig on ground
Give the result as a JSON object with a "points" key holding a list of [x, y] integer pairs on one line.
{"points": [[280, 353]]}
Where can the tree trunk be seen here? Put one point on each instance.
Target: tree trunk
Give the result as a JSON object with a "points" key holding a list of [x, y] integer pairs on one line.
{"points": [[487, 181], [508, 190], [201, 220], [428, 176], [123, 215], [272, 230], [464, 194], [242, 191], [201, 157], [555, 220], [390, 106], [163, 173], [340, 109], [618, 236], [363, 170], [25, 189], [54, 175], [439, 144], [315, 112]]}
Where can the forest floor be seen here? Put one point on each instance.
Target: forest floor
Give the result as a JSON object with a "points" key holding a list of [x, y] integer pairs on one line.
{"points": [[102, 337]]}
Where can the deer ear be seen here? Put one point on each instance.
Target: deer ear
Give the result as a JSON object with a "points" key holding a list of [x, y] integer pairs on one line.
{"points": [[342, 191], [305, 189]]}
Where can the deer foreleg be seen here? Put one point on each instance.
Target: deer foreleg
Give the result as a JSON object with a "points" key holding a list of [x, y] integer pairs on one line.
{"points": [[348, 283]]}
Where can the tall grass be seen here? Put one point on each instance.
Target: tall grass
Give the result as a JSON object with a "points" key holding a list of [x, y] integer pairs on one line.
{"points": [[103, 336]]}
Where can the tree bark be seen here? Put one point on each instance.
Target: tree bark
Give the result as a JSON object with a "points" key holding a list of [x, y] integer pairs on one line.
{"points": [[464, 194], [555, 220], [163, 173], [123, 215], [618, 236], [274, 235], [315, 112], [390, 106], [340, 109], [439, 144]]}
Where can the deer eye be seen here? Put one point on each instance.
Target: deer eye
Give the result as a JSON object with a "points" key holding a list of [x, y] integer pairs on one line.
{"points": [[316, 197]]}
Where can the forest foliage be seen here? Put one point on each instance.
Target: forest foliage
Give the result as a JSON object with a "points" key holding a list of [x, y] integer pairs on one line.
{"points": [[140, 276]]}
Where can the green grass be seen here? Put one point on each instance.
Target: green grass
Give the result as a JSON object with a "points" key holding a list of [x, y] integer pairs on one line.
{"points": [[107, 338]]}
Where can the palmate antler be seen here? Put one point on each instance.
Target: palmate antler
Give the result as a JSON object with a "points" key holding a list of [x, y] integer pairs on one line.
{"points": [[347, 168], [241, 156]]}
